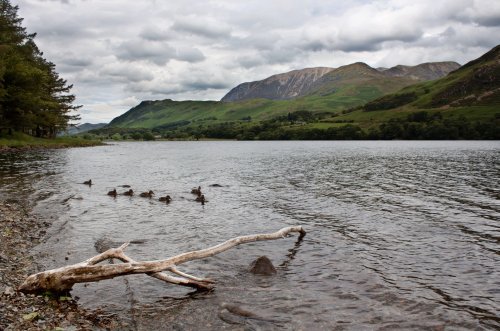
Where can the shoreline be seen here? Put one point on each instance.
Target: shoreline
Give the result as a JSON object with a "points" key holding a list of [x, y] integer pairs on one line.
{"points": [[20, 232], [18, 142]]}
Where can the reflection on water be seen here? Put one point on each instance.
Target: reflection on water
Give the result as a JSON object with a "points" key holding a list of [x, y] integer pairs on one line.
{"points": [[401, 235]]}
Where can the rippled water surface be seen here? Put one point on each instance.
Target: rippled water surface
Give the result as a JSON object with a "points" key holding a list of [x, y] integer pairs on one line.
{"points": [[401, 235]]}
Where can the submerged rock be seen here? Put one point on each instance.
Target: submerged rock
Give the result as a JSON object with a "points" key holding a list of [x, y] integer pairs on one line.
{"points": [[262, 266], [103, 244]]}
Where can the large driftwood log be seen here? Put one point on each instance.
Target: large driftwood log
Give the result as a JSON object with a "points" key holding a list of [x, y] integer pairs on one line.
{"points": [[63, 279]]}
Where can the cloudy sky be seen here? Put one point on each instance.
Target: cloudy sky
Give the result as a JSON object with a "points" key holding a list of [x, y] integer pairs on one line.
{"points": [[117, 53]]}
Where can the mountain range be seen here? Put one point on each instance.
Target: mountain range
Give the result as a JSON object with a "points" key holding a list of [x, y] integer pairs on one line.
{"points": [[298, 83]]}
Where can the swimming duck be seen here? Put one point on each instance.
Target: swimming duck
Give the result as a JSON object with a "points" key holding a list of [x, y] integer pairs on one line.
{"points": [[196, 191], [113, 193], [147, 194], [88, 182], [201, 199], [166, 199], [129, 193]]}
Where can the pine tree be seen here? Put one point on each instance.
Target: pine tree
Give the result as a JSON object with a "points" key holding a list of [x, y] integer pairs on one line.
{"points": [[33, 98]]}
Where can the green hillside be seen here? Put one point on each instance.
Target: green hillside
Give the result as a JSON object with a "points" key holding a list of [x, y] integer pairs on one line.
{"points": [[477, 83], [353, 86]]}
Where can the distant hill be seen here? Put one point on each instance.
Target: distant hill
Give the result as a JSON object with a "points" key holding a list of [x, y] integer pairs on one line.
{"points": [[84, 128], [477, 83], [299, 83]]}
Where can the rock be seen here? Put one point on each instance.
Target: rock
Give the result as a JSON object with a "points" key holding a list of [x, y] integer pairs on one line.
{"points": [[262, 266], [3, 258], [31, 316], [9, 291], [103, 244], [215, 185]]}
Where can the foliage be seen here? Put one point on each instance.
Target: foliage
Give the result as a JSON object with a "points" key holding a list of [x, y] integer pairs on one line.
{"points": [[22, 140], [33, 98], [415, 125], [392, 101]]}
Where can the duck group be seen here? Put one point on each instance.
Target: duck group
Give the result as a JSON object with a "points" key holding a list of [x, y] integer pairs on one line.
{"points": [[200, 197]]}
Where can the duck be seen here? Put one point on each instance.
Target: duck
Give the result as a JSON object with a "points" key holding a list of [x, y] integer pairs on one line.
{"points": [[129, 193], [196, 191], [88, 182], [201, 199], [113, 193], [147, 194], [166, 199]]}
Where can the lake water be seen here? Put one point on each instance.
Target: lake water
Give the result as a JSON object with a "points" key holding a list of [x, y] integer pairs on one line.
{"points": [[400, 235]]}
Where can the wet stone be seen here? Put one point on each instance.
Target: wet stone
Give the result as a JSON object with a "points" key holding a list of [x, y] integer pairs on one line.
{"points": [[262, 266]]}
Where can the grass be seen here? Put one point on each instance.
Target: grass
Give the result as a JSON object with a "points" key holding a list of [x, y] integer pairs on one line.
{"points": [[20, 140]]}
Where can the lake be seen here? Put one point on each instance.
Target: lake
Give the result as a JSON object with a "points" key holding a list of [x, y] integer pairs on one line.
{"points": [[400, 234]]}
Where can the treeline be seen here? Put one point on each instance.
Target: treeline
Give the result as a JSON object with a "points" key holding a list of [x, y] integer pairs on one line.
{"points": [[33, 98], [421, 125], [416, 126], [120, 134]]}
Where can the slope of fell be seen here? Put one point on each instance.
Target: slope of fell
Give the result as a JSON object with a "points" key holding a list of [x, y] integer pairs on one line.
{"points": [[278, 87]]}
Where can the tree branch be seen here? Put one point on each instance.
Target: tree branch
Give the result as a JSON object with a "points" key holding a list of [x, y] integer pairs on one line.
{"points": [[63, 279]]}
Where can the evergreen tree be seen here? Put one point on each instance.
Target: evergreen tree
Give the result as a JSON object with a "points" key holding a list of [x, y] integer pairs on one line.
{"points": [[33, 98]]}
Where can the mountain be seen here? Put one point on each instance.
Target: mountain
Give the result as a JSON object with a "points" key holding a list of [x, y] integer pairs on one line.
{"points": [[477, 83], [298, 83], [278, 87], [84, 128], [424, 71]]}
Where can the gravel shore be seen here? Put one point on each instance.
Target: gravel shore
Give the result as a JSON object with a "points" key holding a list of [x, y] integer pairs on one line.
{"points": [[19, 233]]}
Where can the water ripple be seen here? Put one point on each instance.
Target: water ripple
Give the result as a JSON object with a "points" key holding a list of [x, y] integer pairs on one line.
{"points": [[401, 235]]}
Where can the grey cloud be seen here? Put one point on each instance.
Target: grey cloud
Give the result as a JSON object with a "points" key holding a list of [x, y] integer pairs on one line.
{"points": [[168, 88], [315, 46], [249, 61], [205, 85], [202, 27], [280, 55], [64, 29], [489, 21], [257, 41], [76, 62], [154, 89], [126, 73], [189, 54], [158, 53], [374, 41], [479, 12], [155, 34], [69, 64]]}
